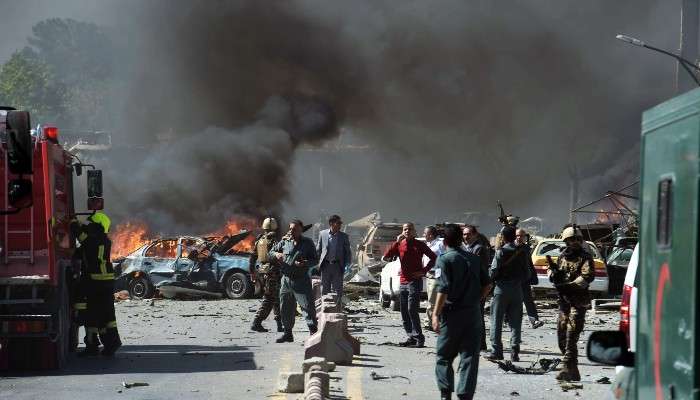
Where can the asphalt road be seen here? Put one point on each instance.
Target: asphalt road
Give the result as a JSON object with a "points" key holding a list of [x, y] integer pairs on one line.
{"points": [[204, 350]]}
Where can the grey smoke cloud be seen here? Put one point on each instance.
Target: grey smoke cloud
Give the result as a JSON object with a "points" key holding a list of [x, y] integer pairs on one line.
{"points": [[461, 103]]}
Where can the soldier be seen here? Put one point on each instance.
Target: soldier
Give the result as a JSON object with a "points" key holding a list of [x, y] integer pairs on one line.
{"points": [[98, 284], [269, 276], [295, 254], [508, 270], [571, 275]]}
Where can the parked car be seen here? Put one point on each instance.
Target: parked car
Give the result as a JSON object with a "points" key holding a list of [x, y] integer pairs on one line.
{"points": [[624, 386], [553, 247], [170, 262], [617, 263], [376, 242]]}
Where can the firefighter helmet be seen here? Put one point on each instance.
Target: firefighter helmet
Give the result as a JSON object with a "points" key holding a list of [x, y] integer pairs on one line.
{"points": [[101, 218], [269, 224], [571, 232]]}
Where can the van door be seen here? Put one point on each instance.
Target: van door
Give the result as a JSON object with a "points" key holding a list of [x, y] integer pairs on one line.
{"points": [[666, 332]]}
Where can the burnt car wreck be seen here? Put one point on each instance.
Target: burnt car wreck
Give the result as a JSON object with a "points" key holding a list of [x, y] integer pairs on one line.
{"points": [[187, 266]]}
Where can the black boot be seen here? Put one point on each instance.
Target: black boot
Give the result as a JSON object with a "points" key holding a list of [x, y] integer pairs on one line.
{"points": [[257, 326], [494, 355], [313, 329], [287, 337], [515, 354], [111, 342], [445, 395], [280, 328], [89, 351]]}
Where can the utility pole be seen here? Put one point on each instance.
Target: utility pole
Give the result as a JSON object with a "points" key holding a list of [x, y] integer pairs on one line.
{"points": [[689, 41]]}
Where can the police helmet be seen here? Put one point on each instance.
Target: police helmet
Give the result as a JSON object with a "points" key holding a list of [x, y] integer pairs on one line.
{"points": [[101, 218], [269, 224]]}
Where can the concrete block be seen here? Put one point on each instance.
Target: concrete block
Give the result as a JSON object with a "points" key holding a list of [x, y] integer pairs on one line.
{"points": [[316, 384], [309, 363], [291, 382], [330, 342]]}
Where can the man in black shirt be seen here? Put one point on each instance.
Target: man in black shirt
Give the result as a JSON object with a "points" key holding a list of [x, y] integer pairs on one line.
{"points": [[509, 270]]}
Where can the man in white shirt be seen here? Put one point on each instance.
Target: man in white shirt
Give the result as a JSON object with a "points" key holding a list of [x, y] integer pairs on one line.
{"points": [[435, 243]]}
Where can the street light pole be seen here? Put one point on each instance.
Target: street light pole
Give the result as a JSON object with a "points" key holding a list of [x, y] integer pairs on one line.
{"points": [[688, 41], [687, 65]]}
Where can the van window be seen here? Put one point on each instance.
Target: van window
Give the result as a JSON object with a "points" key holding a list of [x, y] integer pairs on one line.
{"points": [[664, 213]]}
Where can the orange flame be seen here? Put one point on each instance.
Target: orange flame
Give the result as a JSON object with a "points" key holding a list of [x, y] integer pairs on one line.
{"points": [[234, 226], [129, 236]]}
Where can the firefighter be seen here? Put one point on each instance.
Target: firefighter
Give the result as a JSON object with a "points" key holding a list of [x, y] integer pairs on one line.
{"points": [[573, 272], [269, 275], [98, 284]]}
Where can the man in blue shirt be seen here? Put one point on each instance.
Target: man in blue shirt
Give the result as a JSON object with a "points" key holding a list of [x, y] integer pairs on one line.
{"points": [[461, 286]]}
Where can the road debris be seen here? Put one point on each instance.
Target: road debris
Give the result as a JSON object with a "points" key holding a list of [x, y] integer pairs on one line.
{"points": [[545, 365], [376, 377], [566, 386], [134, 384], [604, 380]]}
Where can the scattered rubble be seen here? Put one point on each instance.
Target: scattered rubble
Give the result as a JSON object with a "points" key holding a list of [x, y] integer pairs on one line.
{"points": [[545, 365], [376, 377]]}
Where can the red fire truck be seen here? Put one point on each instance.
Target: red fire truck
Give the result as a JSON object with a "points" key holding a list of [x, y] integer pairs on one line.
{"points": [[36, 271]]}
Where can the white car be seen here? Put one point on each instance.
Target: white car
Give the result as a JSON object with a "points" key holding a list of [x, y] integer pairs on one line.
{"points": [[389, 282], [553, 247], [623, 387]]}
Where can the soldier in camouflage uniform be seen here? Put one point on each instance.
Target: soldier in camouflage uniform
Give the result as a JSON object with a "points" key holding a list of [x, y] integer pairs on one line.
{"points": [[571, 275], [269, 276]]}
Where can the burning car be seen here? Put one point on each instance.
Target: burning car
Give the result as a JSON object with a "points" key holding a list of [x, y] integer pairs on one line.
{"points": [[187, 265]]}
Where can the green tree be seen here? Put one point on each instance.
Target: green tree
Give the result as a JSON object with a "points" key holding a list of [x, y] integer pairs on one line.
{"points": [[26, 82]]}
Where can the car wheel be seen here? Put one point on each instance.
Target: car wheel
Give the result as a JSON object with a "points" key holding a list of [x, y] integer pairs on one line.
{"points": [[238, 286], [140, 288], [395, 305]]}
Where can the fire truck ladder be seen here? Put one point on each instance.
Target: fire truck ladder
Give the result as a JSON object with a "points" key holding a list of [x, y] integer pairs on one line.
{"points": [[6, 250]]}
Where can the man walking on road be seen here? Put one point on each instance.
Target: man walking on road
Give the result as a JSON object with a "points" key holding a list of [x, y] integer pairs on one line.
{"points": [[473, 245], [522, 241], [436, 245], [410, 252], [508, 270], [333, 250], [295, 254], [461, 286], [268, 274]]}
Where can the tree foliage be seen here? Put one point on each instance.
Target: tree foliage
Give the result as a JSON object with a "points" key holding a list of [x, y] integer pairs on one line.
{"points": [[64, 76]]}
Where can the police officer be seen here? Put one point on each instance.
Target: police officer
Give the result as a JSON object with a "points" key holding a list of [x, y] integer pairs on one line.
{"points": [[508, 270], [474, 245], [295, 254], [98, 284], [461, 284], [571, 275], [522, 239], [268, 274]]}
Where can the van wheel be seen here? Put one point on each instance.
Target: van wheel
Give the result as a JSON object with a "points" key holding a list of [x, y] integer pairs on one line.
{"points": [[385, 300]]}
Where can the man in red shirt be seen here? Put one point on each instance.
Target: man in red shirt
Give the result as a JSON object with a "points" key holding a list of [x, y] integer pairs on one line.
{"points": [[410, 252]]}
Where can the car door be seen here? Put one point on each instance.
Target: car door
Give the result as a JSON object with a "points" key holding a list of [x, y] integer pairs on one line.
{"points": [[159, 258], [184, 246]]}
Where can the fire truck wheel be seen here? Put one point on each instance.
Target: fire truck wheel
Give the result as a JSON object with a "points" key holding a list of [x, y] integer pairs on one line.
{"points": [[140, 288], [238, 286], [63, 341]]}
